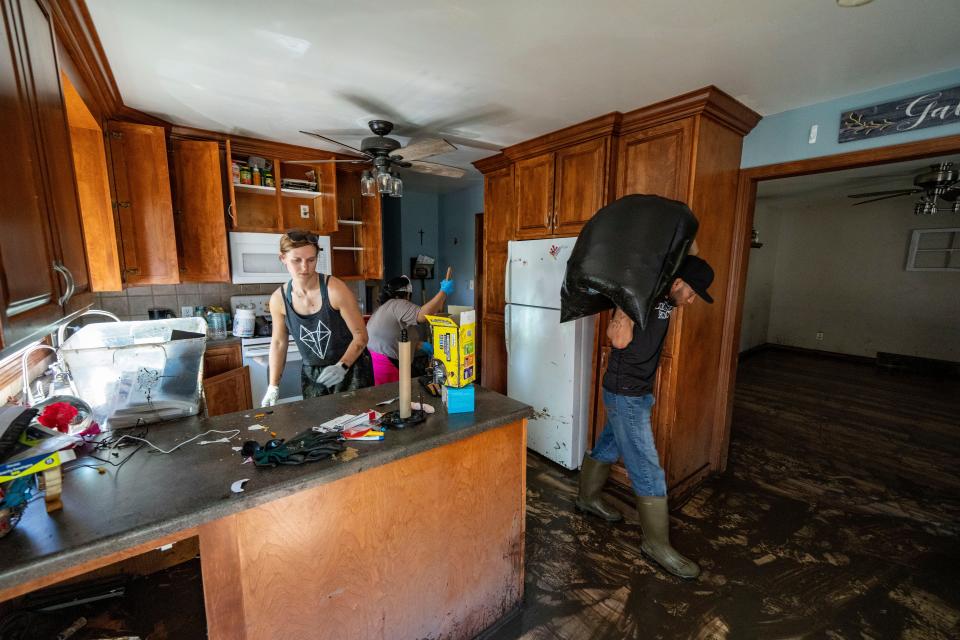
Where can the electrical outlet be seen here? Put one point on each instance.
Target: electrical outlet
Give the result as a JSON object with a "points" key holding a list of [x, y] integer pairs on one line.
{"points": [[819, 335], [471, 285], [812, 138], [304, 211]]}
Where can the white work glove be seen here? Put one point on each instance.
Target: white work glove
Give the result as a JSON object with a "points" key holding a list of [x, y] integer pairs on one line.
{"points": [[270, 398], [332, 375]]}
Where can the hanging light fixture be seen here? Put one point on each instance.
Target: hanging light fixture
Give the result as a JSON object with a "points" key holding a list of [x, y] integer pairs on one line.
{"points": [[396, 186], [368, 186], [384, 180]]}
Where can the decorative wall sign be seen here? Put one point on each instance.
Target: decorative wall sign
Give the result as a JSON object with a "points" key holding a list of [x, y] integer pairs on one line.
{"points": [[930, 109]]}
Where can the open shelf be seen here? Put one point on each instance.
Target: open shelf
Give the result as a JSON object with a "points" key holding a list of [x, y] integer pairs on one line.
{"points": [[347, 248], [254, 188], [299, 193], [349, 222]]}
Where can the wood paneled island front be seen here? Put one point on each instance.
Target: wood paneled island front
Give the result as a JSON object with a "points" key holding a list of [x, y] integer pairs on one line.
{"points": [[419, 536]]}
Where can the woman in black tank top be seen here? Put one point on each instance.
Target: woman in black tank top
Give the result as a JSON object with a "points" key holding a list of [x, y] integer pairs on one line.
{"points": [[323, 318]]}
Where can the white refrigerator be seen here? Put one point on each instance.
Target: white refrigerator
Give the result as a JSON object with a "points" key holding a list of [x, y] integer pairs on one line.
{"points": [[549, 364]]}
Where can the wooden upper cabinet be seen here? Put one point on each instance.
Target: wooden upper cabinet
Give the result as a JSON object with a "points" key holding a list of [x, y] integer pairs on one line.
{"points": [[581, 179], [656, 161], [498, 206], [54, 142], [371, 237], [534, 197], [93, 192], [138, 155], [29, 290], [199, 214]]}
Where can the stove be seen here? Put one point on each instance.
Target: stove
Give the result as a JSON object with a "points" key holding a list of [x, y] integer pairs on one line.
{"points": [[256, 353]]}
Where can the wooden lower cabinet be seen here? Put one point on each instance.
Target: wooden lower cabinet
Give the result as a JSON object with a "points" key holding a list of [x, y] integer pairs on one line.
{"points": [[228, 392], [220, 359], [226, 382], [493, 361]]}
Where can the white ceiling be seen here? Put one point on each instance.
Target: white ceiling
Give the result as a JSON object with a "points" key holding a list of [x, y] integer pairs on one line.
{"points": [[497, 71]]}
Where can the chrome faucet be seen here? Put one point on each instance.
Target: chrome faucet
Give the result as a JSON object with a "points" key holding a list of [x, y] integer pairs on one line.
{"points": [[61, 373], [31, 397]]}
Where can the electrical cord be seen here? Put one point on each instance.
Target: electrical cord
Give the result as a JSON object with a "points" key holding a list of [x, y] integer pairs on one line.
{"points": [[112, 442], [232, 433]]}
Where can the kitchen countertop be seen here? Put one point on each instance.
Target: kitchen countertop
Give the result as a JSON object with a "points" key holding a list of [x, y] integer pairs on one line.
{"points": [[153, 495]]}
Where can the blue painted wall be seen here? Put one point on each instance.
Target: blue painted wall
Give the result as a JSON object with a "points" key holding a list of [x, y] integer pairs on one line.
{"points": [[458, 210], [782, 137], [418, 211]]}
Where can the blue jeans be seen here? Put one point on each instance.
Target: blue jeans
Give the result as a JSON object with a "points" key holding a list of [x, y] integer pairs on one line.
{"points": [[628, 434]]}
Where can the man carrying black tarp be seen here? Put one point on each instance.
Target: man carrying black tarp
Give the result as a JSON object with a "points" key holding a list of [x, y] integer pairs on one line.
{"points": [[628, 400]]}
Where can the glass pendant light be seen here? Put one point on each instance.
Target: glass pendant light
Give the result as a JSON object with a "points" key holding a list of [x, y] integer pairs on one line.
{"points": [[368, 186], [396, 186], [384, 180]]}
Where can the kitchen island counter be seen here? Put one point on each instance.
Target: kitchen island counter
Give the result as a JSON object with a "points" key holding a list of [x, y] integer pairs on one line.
{"points": [[453, 468]]}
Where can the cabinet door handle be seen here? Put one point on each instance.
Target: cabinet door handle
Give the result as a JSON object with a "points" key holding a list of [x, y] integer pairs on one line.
{"points": [[72, 284], [232, 215], [62, 270]]}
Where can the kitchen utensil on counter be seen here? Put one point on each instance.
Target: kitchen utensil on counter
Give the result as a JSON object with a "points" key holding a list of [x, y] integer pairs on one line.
{"points": [[244, 322], [157, 313], [263, 326], [217, 323]]}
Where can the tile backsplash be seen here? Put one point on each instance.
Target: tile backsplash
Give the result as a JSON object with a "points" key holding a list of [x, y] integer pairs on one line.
{"points": [[132, 303]]}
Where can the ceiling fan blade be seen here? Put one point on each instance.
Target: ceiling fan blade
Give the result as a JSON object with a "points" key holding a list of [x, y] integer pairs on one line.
{"points": [[895, 195], [424, 149], [473, 144], [436, 169], [884, 193], [334, 142], [326, 161]]}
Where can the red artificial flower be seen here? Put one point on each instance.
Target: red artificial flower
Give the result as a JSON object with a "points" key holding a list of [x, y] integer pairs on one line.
{"points": [[58, 416]]}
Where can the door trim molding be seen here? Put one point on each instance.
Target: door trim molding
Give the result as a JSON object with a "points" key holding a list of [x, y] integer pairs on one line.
{"points": [[740, 248]]}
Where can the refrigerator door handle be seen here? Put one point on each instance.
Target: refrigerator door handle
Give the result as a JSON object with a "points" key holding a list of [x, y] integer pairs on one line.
{"points": [[506, 281], [506, 327]]}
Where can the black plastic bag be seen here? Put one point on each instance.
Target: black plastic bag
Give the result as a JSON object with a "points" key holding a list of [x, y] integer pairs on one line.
{"points": [[626, 256]]}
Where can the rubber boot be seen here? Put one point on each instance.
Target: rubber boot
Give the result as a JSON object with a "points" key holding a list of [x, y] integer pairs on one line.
{"points": [[655, 522], [593, 475]]}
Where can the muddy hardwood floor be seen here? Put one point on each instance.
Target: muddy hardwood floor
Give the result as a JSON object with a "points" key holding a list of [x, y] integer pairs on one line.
{"points": [[838, 517]]}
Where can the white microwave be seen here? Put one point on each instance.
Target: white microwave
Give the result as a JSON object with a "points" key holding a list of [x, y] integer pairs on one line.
{"points": [[255, 257]]}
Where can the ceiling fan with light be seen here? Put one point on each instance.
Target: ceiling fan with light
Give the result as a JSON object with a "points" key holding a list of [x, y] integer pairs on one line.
{"points": [[940, 182], [387, 154]]}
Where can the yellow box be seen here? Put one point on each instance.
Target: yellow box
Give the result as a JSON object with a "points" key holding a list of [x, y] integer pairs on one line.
{"points": [[454, 345]]}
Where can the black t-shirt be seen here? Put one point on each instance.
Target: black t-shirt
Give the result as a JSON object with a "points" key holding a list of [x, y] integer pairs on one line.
{"points": [[632, 370]]}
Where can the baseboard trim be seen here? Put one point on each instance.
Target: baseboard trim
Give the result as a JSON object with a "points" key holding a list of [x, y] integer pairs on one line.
{"points": [[812, 352]]}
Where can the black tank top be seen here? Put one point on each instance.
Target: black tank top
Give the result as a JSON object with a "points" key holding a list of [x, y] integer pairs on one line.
{"points": [[321, 337]]}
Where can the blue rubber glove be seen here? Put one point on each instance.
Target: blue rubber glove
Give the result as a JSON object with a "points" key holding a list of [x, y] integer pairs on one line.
{"points": [[446, 286], [427, 348]]}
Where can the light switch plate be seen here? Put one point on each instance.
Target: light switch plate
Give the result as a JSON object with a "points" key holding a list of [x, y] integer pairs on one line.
{"points": [[304, 211], [813, 134]]}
